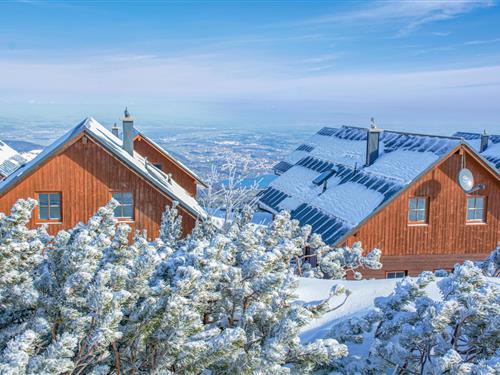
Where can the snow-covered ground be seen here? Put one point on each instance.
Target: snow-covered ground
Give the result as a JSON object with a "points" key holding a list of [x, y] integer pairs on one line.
{"points": [[358, 303]]}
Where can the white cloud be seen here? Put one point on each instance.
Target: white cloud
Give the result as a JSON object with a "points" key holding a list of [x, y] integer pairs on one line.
{"points": [[411, 14]]}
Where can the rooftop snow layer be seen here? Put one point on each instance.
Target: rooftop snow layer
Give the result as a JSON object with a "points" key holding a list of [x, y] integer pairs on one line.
{"points": [[183, 166], [354, 192], [10, 160], [492, 152], [103, 136]]}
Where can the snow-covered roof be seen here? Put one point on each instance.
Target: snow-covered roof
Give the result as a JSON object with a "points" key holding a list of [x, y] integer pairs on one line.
{"points": [[114, 145], [10, 159], [354, 192], [492, 152], [178, 162]]}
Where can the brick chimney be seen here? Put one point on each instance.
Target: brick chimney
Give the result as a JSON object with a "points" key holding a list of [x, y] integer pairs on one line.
{"points": [[372, 143], [128, 133], [484, 141]]}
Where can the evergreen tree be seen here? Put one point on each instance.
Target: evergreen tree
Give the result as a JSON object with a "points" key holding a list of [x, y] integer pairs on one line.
{"points": [[220, 301], [410, 333]]}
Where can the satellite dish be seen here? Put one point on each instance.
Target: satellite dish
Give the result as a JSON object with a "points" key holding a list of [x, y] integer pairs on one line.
{"points": [[466, 179]]}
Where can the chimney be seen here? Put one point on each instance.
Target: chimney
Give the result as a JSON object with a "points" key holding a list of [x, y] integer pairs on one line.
{"points": [[372, 143], [484, 141], [115, 131], [128, 133]]}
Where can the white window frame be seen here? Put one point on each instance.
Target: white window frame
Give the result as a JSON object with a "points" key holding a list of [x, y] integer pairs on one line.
{"points": [[120, 209], [396, 274], [475, 209]]}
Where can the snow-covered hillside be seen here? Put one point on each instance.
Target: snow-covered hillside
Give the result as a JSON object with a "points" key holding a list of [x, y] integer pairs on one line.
{"points": [[359, 302]]}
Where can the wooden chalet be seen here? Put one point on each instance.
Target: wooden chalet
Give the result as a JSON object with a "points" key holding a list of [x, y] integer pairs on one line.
{"points": [[89, 165], [395, 191]]}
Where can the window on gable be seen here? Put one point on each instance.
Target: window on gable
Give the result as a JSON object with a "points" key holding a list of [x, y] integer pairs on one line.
{"points": [[417, 212], [49, 206], [475, 208], [125, 208], [396, 274]]}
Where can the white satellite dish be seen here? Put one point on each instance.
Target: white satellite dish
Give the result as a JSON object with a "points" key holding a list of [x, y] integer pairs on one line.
{"points": [[466, 179]]}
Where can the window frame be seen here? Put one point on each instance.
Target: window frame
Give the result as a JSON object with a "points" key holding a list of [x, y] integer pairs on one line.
{"points": [[39, 206], [475, 209], [404, 272], [121, 205], [425, 221]]}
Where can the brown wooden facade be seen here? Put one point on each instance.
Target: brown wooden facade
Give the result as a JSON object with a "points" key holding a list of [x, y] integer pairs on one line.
{"points": [[166, 163], [86, 174], [447, 237]]}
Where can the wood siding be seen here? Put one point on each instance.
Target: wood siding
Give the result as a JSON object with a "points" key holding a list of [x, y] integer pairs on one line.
{"points": [[85, 174], [447, 237], [168, 164]]}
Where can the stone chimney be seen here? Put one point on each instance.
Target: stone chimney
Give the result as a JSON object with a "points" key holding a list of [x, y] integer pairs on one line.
{"points": [[484, 141], [115, 130], [372, 143], [128, 133]]}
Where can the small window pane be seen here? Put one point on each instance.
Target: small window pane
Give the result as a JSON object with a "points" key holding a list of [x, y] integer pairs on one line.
{"points": [[479, 202], [43, 213], [118, 211], [413, 203], [127, 198], [479, 214], [55, 199], [413, 215], [55, 212], [470, 215], [43, 199], [421, 203], [127, 211], [470, 202]]}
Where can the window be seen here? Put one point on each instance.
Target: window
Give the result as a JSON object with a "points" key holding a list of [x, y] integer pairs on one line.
{"points": [[475, 209], [49, 206], [158, 165], [125, 209], [417, 212], [396, 274]]}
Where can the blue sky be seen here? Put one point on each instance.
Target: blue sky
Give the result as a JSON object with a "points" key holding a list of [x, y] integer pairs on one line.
{"points": [[424, 65]]}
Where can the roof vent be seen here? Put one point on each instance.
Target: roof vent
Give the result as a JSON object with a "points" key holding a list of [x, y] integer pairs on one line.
{"points": [[128, 132], [484, 141], [372, 143]]}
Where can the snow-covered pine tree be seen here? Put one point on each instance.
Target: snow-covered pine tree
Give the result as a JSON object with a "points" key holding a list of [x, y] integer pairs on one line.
{"points": [[410, 333], [220, 301], [21, 251]]}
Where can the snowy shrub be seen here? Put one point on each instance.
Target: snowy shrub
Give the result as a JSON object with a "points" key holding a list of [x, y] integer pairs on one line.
{"points": [[491, 266], [323, 261], [410, 333], [221, 301]]}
